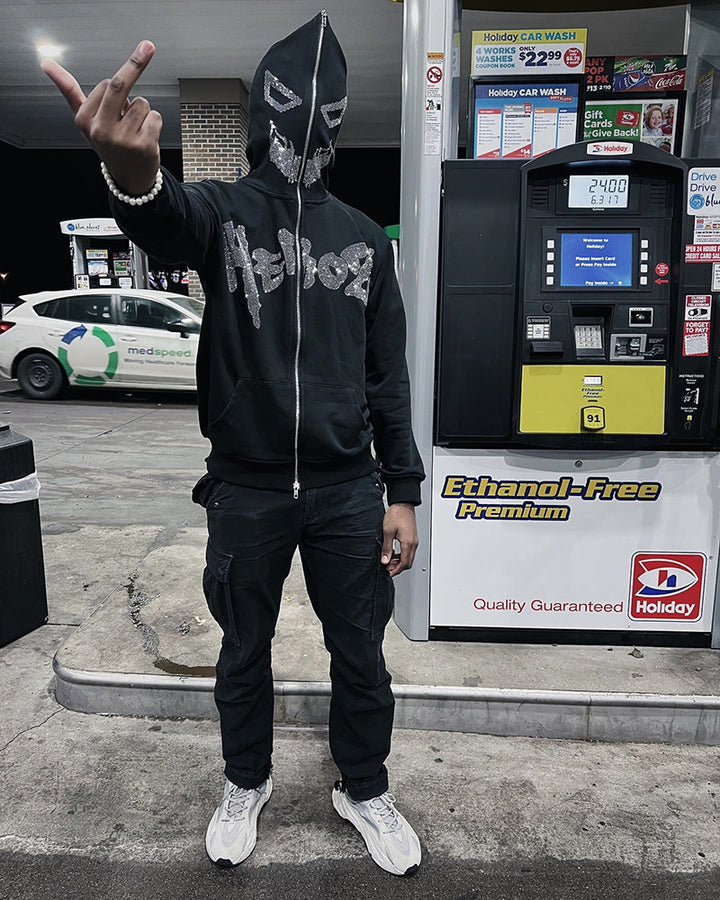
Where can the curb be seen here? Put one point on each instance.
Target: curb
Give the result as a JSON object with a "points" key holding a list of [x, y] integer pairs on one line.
{"points": [[509, 712]]}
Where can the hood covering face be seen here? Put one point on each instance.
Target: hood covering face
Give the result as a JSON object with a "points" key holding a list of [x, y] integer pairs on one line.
{"points": [[297, 102]]}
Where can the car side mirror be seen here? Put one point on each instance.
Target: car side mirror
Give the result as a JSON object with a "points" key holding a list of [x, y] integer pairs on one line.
{"points": [[178, 328]]}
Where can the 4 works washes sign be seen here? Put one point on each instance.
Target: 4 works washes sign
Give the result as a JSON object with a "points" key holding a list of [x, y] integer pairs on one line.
{"points": [[528, 51]]}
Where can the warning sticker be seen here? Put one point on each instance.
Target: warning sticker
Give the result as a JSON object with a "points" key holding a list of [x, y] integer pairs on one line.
{"points": [[434, 72], [698, 307], [696, 339]]}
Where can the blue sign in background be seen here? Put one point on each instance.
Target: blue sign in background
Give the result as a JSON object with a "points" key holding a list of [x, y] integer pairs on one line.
{"points": [[563, 97]]}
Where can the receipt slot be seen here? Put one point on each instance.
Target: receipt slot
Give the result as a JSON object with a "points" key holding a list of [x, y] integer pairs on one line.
{"points": [[562, 305]]}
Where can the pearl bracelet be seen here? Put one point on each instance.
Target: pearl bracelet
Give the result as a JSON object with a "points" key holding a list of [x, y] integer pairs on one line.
{"points": [[126, 198]]}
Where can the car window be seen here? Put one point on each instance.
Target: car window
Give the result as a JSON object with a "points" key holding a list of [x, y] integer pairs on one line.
{"points": [[51, 309], [145, 313], [191, 304], [89, 308]]}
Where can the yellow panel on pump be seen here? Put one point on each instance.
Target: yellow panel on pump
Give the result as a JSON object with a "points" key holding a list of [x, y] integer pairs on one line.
{"points": [[595, 399]]}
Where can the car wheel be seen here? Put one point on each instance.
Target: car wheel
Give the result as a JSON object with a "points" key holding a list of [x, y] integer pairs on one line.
{"points": [[40, 376]]}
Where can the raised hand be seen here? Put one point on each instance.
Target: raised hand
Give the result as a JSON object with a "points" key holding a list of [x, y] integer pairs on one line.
{"points": [[124, 133]]}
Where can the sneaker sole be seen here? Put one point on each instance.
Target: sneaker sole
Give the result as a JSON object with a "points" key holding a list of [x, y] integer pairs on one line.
{"points": [[406, 874], [222, 863]]}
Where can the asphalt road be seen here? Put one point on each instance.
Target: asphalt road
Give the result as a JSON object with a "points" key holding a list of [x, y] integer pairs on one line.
{"points": [[32, 877]]}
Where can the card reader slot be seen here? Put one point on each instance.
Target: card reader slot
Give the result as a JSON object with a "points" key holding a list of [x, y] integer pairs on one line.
{"points": [[547, 348]]}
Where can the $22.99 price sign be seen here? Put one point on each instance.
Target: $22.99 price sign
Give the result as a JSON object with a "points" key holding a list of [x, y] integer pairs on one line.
{"points": [[525, 52]]}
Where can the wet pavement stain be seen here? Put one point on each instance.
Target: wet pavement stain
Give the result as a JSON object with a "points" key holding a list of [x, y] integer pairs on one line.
{"points": [[173, 668]]}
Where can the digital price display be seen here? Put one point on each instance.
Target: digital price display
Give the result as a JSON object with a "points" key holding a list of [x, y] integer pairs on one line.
{"points": [[596, 260], [598, 191]]}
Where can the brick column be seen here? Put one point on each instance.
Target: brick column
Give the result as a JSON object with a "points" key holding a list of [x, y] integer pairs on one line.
{"points": [[213, 124]]}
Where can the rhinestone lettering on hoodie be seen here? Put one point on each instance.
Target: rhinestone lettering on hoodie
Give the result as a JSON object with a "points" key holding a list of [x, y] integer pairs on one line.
{"points": [[351, 268]]}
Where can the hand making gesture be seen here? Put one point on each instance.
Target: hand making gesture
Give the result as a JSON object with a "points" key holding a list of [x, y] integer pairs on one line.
{"points": [[124, 133]]}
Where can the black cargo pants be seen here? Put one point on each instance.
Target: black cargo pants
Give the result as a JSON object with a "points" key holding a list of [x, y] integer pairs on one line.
{"points": [[252, 537]]}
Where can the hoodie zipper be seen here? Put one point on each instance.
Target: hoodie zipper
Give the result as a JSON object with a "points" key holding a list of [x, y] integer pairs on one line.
{"points": [[298, 255]]}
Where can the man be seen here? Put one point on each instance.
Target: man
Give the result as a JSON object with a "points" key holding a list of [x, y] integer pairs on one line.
{"points": [[301, 367]]}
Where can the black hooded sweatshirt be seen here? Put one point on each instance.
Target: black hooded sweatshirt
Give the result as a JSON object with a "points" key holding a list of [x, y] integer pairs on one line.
{"points": [[301, 366]]}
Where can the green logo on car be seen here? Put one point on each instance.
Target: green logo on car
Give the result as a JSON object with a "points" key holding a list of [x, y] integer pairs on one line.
{"points": [[81, 333]]}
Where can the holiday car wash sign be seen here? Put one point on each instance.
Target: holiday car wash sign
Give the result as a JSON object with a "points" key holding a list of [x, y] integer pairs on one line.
{"points": [[522, 540], [529, 51]]}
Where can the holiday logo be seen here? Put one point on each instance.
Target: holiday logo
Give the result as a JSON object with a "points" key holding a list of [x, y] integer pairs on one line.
{"points": [[667, 587], [627, 118], [609, 148]]}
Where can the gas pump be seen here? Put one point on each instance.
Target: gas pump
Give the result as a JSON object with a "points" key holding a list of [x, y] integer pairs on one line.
{"points": [[567, 407], [577, 322], [103, 257]]}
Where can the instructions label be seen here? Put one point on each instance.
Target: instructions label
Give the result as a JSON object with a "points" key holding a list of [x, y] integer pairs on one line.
{"points": [[716, 277], [529, 51]]}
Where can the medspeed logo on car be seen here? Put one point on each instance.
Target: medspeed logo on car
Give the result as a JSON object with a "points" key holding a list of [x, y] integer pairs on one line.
{"points": [[667, 587]]}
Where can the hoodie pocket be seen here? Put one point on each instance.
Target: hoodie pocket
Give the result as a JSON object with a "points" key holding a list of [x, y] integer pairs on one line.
{"points": [[333, 425], [257, 423]]}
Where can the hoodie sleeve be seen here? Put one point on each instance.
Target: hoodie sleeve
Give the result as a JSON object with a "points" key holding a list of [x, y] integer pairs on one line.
{"points": [[179, 225], [387, 387]]}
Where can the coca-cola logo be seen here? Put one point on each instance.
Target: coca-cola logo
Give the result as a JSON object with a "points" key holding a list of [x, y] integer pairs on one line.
{"points": [[663, 82]]}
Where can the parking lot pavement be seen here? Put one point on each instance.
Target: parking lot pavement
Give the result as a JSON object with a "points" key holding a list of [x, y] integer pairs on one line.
{"points": [[96, 805], [116, 471]]}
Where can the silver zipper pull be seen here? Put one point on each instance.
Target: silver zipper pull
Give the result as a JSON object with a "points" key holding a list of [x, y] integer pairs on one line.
{"points": [[296, 490], [323, 17]]}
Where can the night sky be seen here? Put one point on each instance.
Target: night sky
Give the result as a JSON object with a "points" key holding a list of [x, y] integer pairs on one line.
{"points": [[45, 187]]}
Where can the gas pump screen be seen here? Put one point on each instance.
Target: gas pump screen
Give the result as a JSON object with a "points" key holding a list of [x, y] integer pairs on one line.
{"points": [[596, 259], [598, 191]]}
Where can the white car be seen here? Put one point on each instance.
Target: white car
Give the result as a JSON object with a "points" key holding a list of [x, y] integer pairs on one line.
{"points": [[104, 337]]}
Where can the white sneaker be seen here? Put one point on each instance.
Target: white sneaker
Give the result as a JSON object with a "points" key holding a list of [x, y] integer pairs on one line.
{"points": [[388, 835], [232, 833]]}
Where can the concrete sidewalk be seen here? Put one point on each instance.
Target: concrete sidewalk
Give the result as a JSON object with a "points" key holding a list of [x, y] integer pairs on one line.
{"points": [[99, 805], [150, 648], [116, 806], [124, 556]]}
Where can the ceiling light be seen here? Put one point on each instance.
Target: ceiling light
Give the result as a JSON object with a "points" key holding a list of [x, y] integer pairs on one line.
{"points": [[49, 50]]}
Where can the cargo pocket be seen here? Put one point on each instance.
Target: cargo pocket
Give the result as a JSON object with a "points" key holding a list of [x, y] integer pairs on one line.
{"points": [[216, 585], [384, 599]]}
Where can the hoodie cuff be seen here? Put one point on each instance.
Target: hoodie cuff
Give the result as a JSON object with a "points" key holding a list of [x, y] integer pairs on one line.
{"points": [[403, 490]]}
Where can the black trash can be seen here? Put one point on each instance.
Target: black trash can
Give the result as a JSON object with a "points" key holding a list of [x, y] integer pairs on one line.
{"points": [[23, 597]]}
